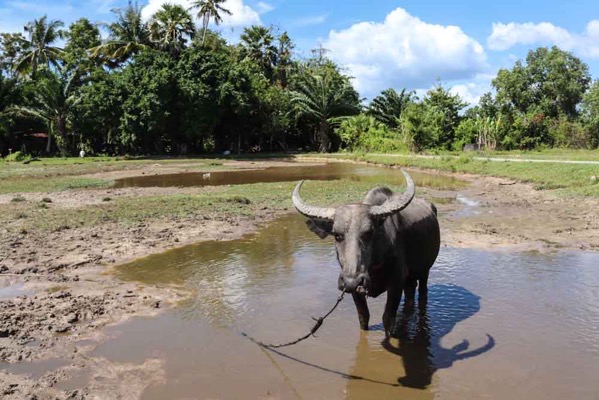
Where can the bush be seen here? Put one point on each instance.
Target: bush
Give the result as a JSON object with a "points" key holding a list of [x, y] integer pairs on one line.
{"points": [[570, 134], [16, 156], [465, 133], [366, 134]]}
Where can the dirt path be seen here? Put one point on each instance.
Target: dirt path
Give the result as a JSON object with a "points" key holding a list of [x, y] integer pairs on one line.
{"points": [[63, 294]]}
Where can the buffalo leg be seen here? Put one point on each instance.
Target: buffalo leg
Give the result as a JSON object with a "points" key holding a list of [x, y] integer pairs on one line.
{"points": [[362, 308], [423, 289], [410, 290], [393, 300]]}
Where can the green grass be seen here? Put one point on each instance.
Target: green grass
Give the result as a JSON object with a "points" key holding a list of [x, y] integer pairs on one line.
{"points": [[56, 174], [541, 154], [218, 202], [55, 184], [570, 179], [548, 154]]}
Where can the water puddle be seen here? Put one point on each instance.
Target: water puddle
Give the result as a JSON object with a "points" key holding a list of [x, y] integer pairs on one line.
{"points": [[497, 325], [14, 290], [329, 171], [470, 207], [34, 369]]}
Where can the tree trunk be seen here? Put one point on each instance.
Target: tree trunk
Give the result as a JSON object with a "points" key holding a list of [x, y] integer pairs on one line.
{"points": [[49, 142], [62, 133], [205, 23], [323, 137]]}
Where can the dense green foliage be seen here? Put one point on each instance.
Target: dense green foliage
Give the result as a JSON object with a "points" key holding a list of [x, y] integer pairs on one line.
{"points": [[545, 101], [162, 87]]}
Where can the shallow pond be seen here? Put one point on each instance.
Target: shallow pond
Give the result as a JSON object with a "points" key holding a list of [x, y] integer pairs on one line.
{"points": [[328, 171], [498, 325]]}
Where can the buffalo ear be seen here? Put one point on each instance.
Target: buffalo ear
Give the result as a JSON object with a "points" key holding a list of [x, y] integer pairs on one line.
{"points": [[321, 228]]}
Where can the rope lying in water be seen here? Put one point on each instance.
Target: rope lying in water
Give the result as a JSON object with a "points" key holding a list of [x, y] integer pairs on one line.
{"points": [[316, 327]]}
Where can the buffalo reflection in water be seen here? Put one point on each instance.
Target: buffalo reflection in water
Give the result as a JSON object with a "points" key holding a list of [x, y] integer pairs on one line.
{"points": [[391, 371], [421, 329], [406, 366]]}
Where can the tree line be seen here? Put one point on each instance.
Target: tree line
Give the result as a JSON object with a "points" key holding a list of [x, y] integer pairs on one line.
{"points": [[164, 87]]}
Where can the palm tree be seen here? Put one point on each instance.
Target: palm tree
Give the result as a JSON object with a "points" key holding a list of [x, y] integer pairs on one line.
{"points": [[53, 102], [39, 49], [389, 105], [129, 35], [169, 28], [208, 9], [325, 103], [257, 42], [284, 61]]}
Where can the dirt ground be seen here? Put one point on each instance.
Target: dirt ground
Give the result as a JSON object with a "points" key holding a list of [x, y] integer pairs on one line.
{"points": [[55, 292]]}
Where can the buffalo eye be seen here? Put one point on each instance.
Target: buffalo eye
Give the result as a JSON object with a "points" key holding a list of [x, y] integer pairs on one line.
{"points": [[339, 237]]}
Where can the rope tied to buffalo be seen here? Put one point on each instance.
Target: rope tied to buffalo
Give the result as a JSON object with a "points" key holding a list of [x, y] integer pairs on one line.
{"points": [[315, 328]]}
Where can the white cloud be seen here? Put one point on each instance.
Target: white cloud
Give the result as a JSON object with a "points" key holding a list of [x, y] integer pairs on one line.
{"points": [[263, 7], [242, 14], [311, 20], [404, 51], [505, 36], [471, 92]]}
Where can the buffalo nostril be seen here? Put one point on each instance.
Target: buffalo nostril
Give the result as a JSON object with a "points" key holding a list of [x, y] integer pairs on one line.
{"points": [[350, 284], [360, 281]]}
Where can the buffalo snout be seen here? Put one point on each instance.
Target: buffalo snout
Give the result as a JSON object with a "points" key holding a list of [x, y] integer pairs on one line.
{"points": [[352, 284]]}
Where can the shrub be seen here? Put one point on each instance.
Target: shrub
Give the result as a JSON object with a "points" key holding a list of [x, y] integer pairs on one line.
{"points": [[364, 133], [571, 134], [16, 156]]}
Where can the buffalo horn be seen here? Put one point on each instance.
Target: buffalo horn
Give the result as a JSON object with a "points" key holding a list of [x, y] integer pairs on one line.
{"points": [[397, 202], [308, 210]]}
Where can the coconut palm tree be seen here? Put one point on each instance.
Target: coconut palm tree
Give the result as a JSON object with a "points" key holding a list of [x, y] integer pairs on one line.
{"points": [[129, 35], [170, 27], [209, 9], [324, 102], [53, 102], [39, 50], [389, 105]]}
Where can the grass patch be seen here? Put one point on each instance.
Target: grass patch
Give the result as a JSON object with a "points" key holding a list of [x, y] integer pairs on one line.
{"points": [[571, 179], [30, 185], [220, 202], [56, 174]]}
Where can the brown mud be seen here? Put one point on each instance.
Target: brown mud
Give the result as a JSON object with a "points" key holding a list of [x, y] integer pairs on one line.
{"points": [[55, 293]]}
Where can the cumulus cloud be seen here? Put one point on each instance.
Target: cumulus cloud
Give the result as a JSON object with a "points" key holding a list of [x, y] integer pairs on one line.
{"points": [[505, 36], [472, 91], [242, 14], [404, 51]]}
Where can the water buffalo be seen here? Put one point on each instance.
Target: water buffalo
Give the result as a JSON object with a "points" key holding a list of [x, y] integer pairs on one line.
{"points": [[386, 243]]}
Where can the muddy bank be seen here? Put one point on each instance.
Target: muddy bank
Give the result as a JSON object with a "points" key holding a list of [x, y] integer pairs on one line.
{"points": [[501, 213], [66, 296]]}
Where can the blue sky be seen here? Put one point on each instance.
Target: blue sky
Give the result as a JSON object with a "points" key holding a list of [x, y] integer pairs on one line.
{"points": [[384, 43]]}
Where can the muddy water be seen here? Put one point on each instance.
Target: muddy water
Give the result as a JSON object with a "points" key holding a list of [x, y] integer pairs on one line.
{"points": [[497, 326], [327, 171]]}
